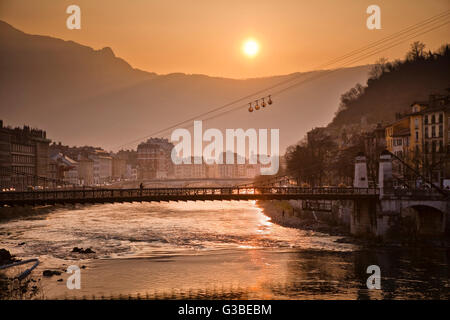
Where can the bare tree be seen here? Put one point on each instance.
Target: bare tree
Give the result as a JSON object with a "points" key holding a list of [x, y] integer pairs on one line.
{"points": [[378, 68], [416, 52]]}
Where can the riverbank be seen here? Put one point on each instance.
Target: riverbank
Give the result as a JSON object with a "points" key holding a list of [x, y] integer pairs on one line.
{"points": [[284, 214], [10, 213]]}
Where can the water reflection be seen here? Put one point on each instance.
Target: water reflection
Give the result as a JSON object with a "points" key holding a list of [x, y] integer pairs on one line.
{"points": [[215, 250], [405, 274]]}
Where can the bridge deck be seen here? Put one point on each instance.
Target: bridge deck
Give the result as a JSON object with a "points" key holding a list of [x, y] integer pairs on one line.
{"points": [[81, 196]]}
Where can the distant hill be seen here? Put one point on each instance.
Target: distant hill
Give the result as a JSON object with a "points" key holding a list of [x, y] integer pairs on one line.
{"points": [[396, 86], [86, 96]]}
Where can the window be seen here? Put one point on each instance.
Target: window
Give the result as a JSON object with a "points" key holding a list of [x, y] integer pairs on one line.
{"points": [[433, 131], [417, 136], [425, 118], [441, 130], [426, 147], [433, 147], [416, 123], [441, 118], [426, 132], [441, 146]]}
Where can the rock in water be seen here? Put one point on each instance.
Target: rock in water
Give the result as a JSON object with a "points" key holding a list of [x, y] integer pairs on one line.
{"points": [[50, 273], [5, 257]]}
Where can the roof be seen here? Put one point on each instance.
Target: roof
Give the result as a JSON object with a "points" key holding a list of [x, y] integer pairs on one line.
{"points": [[420, 103], [64, 159], [445, 107], [401, 132]]}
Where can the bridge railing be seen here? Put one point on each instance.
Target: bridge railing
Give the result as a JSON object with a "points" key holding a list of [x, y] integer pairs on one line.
{"points": [[74, 194], [405, 192]]}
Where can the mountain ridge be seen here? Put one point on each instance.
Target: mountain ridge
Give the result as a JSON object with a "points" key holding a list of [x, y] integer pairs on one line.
{"points": [[85, 96]]}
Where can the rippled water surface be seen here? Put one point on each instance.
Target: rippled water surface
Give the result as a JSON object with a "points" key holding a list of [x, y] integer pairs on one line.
{"points": [[213, 250]]}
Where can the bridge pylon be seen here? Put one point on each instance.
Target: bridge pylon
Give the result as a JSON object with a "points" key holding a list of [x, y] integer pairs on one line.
{"points": [[360, 178], [385, 178]]}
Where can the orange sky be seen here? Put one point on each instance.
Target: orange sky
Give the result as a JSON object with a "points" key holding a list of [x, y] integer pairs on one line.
{"points": [[205, 36]]}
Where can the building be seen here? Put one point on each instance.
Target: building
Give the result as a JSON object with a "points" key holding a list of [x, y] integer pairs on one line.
{"points": [[416, 134], [24, 158], [86, 171], [421, 139], [124, 165], [102, 167], [374, 144], [154, 159], [436, 144], [204, 170], [404, 139], [66, 169], [119, 167], [397, 137]]}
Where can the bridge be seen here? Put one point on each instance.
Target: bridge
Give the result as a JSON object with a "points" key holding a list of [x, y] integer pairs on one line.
{"points": [[92, 196], [366, 210], [184, 183]]}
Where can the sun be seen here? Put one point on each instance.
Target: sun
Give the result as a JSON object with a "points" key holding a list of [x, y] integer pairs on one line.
{"points": [[250, 48]]}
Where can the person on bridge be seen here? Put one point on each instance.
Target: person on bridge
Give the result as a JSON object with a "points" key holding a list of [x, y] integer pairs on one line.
{"points": [[141, 187]]}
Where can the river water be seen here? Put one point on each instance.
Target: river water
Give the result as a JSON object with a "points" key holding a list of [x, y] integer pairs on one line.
{"points": [[213, 250]]}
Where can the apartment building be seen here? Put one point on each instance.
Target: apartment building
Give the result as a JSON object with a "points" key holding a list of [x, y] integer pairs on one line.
{"points": [[421, 139], [154, 159], [24, 159]]}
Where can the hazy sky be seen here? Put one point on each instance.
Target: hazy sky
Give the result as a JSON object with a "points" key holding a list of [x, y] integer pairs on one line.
{"points": [[205, 36]]}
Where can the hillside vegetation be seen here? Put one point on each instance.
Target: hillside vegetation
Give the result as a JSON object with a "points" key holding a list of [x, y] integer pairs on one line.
{"points": [[393, 86]]}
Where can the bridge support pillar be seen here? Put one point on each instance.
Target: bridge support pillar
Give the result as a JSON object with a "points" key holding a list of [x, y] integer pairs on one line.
{"points": [[364, 218]]}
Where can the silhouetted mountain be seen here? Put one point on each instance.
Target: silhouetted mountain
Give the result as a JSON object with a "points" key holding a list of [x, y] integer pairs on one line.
{"points": [[86, 96], [396, 87]]}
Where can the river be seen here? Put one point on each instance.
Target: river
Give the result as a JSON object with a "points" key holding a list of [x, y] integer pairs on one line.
{"points": [[212, 250]]}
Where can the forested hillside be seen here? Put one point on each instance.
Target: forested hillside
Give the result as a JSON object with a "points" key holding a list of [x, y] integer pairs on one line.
{"points": [[393, 86]]}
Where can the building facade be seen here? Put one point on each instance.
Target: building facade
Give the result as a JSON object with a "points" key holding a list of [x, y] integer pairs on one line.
{"points": [[421, 139], [66, 169], [86, 171], [24, 157], [102, 166], [119, 167], [154, 159], [436, 150]]}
